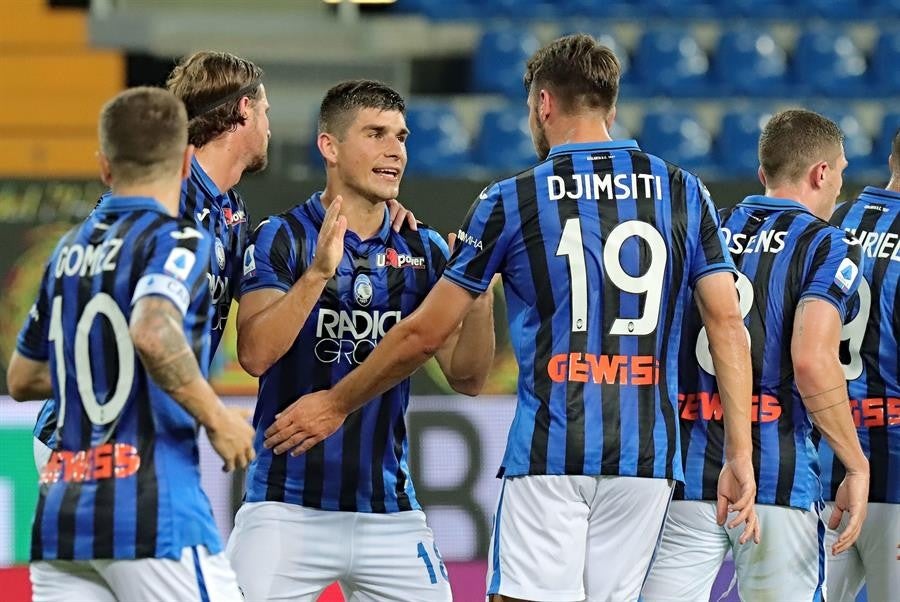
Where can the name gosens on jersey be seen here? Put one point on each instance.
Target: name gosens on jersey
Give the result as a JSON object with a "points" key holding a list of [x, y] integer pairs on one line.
{"points": [[784, 254], [598, 247]]}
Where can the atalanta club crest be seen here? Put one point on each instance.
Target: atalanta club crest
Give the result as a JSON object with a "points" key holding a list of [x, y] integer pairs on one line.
{"points": [[220, 254], [362, 290]]}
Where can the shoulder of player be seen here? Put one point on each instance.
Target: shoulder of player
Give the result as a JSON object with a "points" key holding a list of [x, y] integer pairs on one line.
{"points": [[295, 222], [422, 235]]}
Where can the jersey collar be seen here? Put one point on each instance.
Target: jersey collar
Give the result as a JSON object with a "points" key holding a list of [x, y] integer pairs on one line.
{"points": [[881, 193], [120, 204], [318, 211], [770, 202], [204, 180], [578, 147]]}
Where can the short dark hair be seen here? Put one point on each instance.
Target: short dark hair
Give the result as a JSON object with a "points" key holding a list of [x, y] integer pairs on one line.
{"points": [[582, 72], [795, 139], [211, 85], [143, 134], [342, 101]]}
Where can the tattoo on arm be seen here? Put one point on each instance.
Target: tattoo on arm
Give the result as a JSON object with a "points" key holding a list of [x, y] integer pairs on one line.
{"points": [[161, 344]]}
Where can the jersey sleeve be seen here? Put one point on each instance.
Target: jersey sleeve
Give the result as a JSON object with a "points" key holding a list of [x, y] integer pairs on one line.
{"points": [[177, 268], [270, 260], [835, 272], [439, 253], [33, 338], [710, 251], [481, 243]]}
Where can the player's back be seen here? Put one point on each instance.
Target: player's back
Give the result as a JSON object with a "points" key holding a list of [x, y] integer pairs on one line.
{"points": [[870, 352], [598, 246], [123, 480], [783, 254]]}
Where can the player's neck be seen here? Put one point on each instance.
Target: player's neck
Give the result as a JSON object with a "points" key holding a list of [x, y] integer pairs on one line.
{"points": [[364, 218], [894, 184], [168, 194], [793, 193], [575, 130], [219, 159]]}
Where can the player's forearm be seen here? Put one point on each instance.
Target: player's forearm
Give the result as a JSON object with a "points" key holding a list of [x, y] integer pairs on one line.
{"points": [[404, 349], [472, 353], [28, 380], [156, 329], [820, 381], [731, 358], [266, 336]]}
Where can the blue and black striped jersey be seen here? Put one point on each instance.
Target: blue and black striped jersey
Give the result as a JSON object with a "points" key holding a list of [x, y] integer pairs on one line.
{"points": [[869, 350], [363, 467], [784, 254], [223, 217], [598, 247], [123, 480]]}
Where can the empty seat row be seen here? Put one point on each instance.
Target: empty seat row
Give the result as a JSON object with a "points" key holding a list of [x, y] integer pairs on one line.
{"points": [[680, 9], [440, 145], [747, 62]]}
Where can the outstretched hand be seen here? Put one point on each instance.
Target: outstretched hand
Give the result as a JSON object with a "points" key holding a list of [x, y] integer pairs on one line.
{"points": [[304, 423], [330, 246]]}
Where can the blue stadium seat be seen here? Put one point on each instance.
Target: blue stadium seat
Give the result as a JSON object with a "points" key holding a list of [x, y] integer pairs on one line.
{"points": [[602, 8], [524, 9], [438, 143], [440, 9], [738, 142], [890, 123], [885, 70], [677, 136], [751, 63], [504, 141], [760, 8], [693, 9], [671, 62], [829, 62], [499, 61], [840, 9], [858, 147]]}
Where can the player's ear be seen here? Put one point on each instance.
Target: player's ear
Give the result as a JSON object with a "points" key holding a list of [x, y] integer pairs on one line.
{"points": [[244, 107], [761, 175], [105, 171], [892, 163], [327, 147], [545, 105], [817, 174], [186, 161]]}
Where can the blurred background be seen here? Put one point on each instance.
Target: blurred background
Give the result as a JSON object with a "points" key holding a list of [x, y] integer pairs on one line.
{"points": [[700, 79]]}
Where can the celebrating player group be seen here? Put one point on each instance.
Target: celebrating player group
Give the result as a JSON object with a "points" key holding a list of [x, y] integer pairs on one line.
{"points": [[693, 381]]}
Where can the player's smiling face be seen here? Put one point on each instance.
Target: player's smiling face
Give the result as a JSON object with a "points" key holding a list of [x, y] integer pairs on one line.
{"points": [[372, 154]]}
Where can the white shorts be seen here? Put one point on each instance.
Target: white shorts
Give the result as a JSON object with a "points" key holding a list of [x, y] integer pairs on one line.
{"points": [[788, 563], [41, 454], [559, 538], [288, 552], [874, 559], [197, 576]]}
